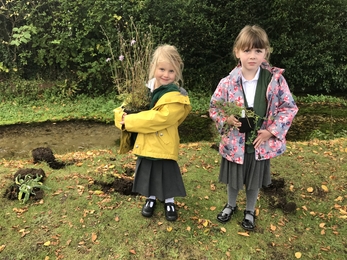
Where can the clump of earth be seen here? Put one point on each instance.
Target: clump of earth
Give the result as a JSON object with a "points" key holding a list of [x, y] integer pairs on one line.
{"points": [[12, 191], [45, 154]]}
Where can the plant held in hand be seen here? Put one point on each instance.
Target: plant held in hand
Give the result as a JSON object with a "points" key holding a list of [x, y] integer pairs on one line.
{"points": [[129, 60], [251, 122]]}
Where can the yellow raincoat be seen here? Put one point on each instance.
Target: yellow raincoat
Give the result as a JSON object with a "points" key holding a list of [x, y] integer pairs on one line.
{"points": [[157, 128]]}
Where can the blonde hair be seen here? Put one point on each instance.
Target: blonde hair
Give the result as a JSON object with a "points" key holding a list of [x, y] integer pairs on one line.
{"points": [[252, 37], [167, 53]]}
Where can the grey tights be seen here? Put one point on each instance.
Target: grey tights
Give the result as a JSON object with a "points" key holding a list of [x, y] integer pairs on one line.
{"points": [[251, 196]]}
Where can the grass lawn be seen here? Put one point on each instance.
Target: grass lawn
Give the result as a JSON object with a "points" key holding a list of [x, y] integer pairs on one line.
{"points": [[76, 219]]}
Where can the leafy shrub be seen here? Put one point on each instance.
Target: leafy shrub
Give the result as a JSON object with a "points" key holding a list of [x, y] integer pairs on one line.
{"points": [[309, 41], [63, 40]]}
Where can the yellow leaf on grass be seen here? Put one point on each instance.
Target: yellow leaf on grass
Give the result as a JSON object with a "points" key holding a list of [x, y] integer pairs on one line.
{"points": [[94, 237], [132, 251], [322, 225], [223, 229], [257, 212], [325, 188], [298, 255], [205, 224], [2, 247], [47, 243], [339, 198], [213, 208], [98, 192], [309, 189], [188, 228], [273, 227], [169, 229], [245, 234], [326, 249], [343, 212], [322, 232], [304, 208]]}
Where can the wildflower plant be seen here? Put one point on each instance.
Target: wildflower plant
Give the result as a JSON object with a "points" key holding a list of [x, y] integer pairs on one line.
{"points": [[129, 60], [253, 120]]}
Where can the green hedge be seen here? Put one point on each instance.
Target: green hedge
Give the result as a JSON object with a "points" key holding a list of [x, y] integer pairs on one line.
{"points": [[61, 40]]}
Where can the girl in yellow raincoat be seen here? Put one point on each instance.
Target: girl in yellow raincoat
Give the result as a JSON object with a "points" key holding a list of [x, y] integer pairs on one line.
{"points": [[157, 174]]}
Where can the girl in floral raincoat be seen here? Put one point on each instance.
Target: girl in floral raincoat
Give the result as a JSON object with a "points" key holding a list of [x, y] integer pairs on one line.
{"points": [[254, 84]]}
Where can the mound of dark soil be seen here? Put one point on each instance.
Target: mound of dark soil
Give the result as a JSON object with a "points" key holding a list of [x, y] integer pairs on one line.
{"points": [[45, 154], [32, 172], [122, 185]]}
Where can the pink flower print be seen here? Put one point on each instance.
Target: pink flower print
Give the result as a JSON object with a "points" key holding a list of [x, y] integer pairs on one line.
{"points": [[239, 160], [262, 150], [234, 141], [239, 101], [281, 119], [286, 99]]}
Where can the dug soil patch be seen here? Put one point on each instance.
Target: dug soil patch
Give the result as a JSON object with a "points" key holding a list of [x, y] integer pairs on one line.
{"points": [[278, 196]]}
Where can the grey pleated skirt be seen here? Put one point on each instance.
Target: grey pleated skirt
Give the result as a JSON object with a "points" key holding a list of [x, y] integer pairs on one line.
{"points": [[253, 174], [160, 178]]}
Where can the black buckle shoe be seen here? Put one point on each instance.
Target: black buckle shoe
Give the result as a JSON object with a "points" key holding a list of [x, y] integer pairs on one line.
{"points": [[147, 210], [223, 217], [170, 215], [247, 224]]}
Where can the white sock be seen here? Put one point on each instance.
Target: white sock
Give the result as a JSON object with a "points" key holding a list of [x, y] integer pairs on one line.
{"points": [[151, 198], [170, 200]]}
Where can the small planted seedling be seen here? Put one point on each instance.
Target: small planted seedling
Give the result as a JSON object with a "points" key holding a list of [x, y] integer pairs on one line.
{"points": [[27, 186]]}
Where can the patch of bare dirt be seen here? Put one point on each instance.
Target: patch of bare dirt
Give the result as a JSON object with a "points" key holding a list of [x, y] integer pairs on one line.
{"points": [[122, 185], [278, 196]]}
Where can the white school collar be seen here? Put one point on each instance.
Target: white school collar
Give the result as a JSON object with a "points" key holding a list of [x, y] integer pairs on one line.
{"points": [[256, 77]]}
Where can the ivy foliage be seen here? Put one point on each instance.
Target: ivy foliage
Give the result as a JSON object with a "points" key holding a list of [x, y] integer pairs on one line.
{"points": [[310, 42], [62, 40]]}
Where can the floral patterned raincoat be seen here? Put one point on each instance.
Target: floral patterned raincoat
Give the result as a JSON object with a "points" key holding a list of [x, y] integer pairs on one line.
{"points": [[281, 110]]}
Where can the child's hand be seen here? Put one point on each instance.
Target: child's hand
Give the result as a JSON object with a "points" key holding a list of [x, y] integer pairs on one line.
{"points": [[232, 120], [123, 116], [263, 135]]}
